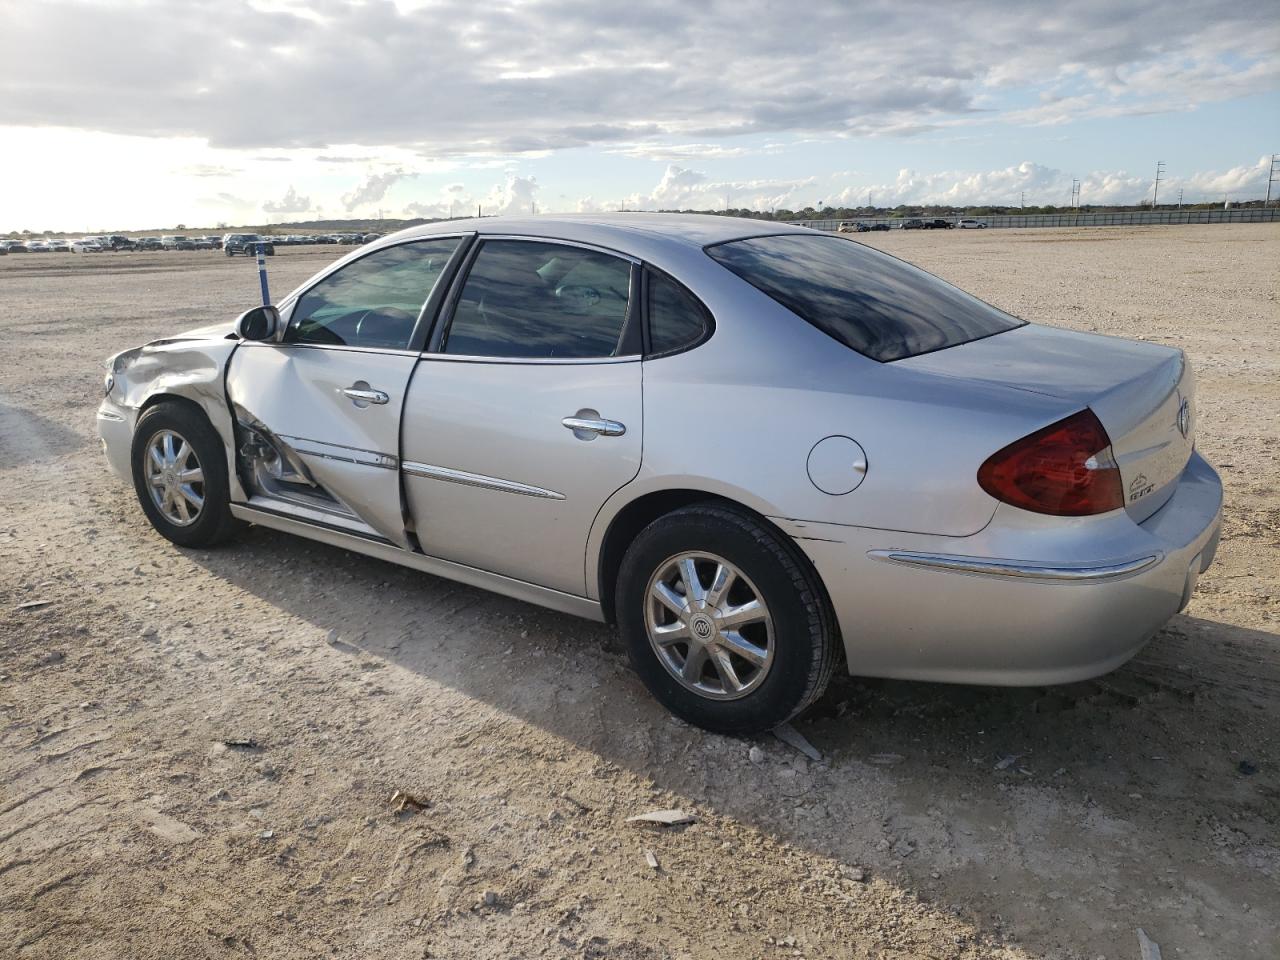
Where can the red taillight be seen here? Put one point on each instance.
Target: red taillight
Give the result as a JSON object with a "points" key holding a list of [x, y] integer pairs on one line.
{"points": [[1066, 469]]}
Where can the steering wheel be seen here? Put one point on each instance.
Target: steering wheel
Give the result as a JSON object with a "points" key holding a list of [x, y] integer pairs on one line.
{"points": [[578, 297], [384, 327]]}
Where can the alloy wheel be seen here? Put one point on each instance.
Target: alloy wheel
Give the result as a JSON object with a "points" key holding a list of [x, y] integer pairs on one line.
{"points": [[175, 478]]}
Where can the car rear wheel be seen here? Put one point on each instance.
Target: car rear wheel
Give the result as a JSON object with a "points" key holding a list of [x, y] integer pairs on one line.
{"points": [[724, 621], [180, 476]]}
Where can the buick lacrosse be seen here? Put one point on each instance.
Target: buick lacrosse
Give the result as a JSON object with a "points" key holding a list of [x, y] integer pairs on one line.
{"points": [[752, 446]]}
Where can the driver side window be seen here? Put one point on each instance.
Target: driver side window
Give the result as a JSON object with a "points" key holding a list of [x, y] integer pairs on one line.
{"points": [[373, 301], [537, 300]]}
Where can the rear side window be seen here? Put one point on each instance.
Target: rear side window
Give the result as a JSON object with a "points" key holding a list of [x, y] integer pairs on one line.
{"points": [[676, 319], [543, 301], [874, 303]]}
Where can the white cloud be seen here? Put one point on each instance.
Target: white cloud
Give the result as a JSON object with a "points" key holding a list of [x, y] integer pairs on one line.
{"points": [[454, 78], [373, 188], [289, 203]]}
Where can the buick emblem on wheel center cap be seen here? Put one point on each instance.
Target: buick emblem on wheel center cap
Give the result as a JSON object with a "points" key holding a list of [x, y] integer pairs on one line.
{"points": [[703, 628]]}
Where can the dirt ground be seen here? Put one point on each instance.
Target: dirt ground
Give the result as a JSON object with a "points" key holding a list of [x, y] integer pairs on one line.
{"points": [[132, 826]]}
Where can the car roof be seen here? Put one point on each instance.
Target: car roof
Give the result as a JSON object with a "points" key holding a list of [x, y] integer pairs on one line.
{"points": [[612, 229]]}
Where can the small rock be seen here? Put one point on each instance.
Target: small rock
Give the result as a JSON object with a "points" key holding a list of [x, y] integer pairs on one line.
{"points": [[793, 738], [1247, 767], [266, 834], [755, 755], [651, 859], [52, 657], [856, 874], [490, 898], [667, 818]]}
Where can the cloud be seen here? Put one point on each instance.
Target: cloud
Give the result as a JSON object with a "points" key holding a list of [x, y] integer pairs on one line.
{"points": [[454, 78], [1045, 185], [289, 203], [373, 189], [682, 188]]}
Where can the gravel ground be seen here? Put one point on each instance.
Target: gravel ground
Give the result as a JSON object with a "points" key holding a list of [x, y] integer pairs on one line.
{"points": [[198, 749]]}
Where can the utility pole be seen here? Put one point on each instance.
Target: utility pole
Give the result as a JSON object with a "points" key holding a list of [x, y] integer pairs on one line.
{"points": [[1179, 198], [478, 213], [1271, 177], [1155, 195], [533, 206], [1075, 194], [1022, 204]]}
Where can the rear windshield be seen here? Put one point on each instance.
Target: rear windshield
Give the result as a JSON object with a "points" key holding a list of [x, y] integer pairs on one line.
{"points": [[874, 303]]}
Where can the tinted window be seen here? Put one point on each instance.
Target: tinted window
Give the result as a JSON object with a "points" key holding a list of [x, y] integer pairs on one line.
{"points": [[876, 304], [676, 318], [541, 300], [373, 301]]}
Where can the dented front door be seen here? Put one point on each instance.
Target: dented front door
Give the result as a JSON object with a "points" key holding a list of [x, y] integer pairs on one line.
{"points": [[319, 412], [338, 413]]}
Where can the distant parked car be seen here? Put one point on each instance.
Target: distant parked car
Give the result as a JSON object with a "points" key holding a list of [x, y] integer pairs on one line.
{"points": [[85, 245], [913, 224], [244, 243], [202, 243], [38, 246], [59, 246], [177, 242], [938, 223], [878, 226], [971, 224], [16, 246], [118, 242], [215, 243], [370, 237], [148, 243]]}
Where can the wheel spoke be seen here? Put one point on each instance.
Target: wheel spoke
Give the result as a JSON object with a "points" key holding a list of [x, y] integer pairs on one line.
{"points": [[671, 633], [724, 667], [168, 448], [693, 664], [194, 475], [721, 583], [156, 480], [750, 612], [191, 497], [669, 598], [156, 457], [180, 508], [184, 451], [737, 643], [693, 590]]}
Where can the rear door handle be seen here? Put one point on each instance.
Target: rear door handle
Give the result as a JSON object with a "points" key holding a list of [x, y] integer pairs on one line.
{"points": [[361, 394], [588, 428]]}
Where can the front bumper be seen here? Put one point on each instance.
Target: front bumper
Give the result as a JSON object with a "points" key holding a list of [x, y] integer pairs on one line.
{"points": [[115, 429], [1029, 600]]}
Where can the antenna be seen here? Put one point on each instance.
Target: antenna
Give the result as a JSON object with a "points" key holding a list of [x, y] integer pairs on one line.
{"points": [[1159, 176]]}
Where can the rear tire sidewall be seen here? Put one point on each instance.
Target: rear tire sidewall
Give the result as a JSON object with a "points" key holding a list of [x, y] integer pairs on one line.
{"points": [[215, 521], [801, 638]]}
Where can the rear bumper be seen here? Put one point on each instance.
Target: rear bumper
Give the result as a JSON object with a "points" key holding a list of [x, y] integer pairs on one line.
{"points": [[1029, 600]]}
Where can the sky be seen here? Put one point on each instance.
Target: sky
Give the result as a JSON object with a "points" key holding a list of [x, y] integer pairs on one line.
{"points": [[132, 114]]}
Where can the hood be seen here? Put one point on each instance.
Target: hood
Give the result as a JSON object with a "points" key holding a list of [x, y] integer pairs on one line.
{"points": [[214, 331]]}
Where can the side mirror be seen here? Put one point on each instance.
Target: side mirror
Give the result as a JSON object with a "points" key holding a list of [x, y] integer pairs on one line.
{"points": [[260, 323]]}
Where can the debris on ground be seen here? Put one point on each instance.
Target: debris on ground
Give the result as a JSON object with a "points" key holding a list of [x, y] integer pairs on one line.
{"points": [[1007, 761], [755, 755], [1150, 949], [403, 801], [666, 818], [1247, 767], [856, 874], [651, 859], [241, 743], [793, 738], [34, 604], [885, 759]]}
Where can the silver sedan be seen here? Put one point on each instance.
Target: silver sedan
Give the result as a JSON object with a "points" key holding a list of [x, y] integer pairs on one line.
{"points": [[753, 447]]}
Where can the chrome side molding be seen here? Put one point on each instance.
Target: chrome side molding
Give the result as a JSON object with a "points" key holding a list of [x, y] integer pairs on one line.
{"points": [[1076, 573], [478, 480]]}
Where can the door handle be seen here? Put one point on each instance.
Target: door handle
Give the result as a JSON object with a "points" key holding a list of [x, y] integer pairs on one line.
{"points": [[361, 394], [590, 427]]}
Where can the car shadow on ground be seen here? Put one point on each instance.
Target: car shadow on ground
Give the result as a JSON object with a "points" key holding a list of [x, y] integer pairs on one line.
{"points": [[27, 437], [980, 797]]}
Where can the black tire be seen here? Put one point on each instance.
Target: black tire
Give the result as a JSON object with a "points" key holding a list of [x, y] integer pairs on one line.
{"points": [[214, 522], [805, 637]]}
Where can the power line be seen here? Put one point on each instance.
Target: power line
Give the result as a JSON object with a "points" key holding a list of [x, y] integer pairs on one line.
{"points": [[1155, 196]]}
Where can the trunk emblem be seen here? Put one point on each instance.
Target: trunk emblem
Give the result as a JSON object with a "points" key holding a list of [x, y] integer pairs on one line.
{"points": [[1140, 487], [1184, 419]]}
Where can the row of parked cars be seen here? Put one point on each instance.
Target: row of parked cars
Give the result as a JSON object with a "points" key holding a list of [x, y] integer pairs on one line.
{"points": [[937, 223], [231, 243]]}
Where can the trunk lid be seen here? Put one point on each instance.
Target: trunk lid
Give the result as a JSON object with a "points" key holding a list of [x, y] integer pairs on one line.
{"points": [[1144, 394]]}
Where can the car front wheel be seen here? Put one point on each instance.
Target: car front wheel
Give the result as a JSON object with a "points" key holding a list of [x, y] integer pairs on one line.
{"points": [[725, 622], [180, 475]]}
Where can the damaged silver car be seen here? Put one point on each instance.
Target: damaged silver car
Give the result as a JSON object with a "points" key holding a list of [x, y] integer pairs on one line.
{"points": [[754, 447]]}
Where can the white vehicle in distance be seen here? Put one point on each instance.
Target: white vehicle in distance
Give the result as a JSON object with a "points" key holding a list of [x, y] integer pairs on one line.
{"points": [[86, 245], [971, 224], [59, 246]]}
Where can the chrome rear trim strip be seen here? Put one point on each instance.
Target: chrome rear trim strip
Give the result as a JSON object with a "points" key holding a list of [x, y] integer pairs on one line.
{"points": [[478, 480], [1072, 573]]}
